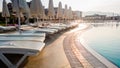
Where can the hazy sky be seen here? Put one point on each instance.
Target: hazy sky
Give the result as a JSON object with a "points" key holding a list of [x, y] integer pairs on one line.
{"points": [[85, 5]]}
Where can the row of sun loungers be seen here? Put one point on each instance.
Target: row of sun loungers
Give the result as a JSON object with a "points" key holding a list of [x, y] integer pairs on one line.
{"points": [[28, 43], [52, 29]]}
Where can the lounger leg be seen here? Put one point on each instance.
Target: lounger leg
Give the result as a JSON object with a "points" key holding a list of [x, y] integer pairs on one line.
{"points": [[5, 60], [9, 64], [21, 60]]}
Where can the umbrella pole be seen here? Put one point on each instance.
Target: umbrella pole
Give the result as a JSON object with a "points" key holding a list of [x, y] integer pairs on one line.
{"points": [[43, 20], [6, 20], [28, 21], [19, 25], [59, 20], [37, 22]]}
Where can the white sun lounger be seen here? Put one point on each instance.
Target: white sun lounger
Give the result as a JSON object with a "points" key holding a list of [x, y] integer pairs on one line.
{"points": [[57, 27], [23, 37], [26, 44], [7, 28], [40, 39], [55, 30], [29, 33], [46, 30], [25, 48]]}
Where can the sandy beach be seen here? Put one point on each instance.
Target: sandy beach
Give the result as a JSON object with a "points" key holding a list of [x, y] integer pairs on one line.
{"points": [[65, 51]]}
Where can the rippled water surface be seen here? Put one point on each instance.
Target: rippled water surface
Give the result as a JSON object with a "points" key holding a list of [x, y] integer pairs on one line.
{"points": [[105, 39]]}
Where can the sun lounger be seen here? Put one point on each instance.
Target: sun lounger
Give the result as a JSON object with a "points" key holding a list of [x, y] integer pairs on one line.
{"points": [[23, 37], [20, 44], [57, 27], [40, 39], [46, 30], [26, 27], [55, 30], [24, 48], [33, 24], [7, 28]]}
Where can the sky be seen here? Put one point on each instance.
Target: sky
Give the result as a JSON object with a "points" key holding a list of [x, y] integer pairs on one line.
{"points": [[85, 5]]}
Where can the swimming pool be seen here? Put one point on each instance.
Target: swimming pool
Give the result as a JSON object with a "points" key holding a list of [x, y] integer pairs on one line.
{"points": [[104, 39]]}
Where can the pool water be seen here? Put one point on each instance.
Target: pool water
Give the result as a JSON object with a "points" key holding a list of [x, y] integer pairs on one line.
{"points": [[104, 39]]}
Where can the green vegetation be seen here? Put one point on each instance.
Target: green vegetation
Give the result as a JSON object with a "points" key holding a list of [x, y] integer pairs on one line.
{"points": [[2, 23]]}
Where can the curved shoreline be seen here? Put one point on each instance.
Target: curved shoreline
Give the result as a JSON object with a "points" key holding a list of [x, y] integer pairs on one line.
{"points": [[97, 55], [79, 55]]}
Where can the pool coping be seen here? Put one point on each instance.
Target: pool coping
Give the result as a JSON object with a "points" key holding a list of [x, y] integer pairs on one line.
{"points": [[76, 53], [95, 54]]}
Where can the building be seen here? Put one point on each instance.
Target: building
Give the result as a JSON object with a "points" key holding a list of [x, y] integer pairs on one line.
{"points": [[77, 14], [95, 17]]}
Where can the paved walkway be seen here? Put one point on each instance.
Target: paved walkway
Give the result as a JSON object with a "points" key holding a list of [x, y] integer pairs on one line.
{"points": [[77, 55]]}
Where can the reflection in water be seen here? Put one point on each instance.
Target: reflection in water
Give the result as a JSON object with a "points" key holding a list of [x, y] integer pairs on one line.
{"points": [[112, 24], [105, 39]]}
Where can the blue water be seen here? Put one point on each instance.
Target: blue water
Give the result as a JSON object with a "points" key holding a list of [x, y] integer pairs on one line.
{"points": [[105, 39]]}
